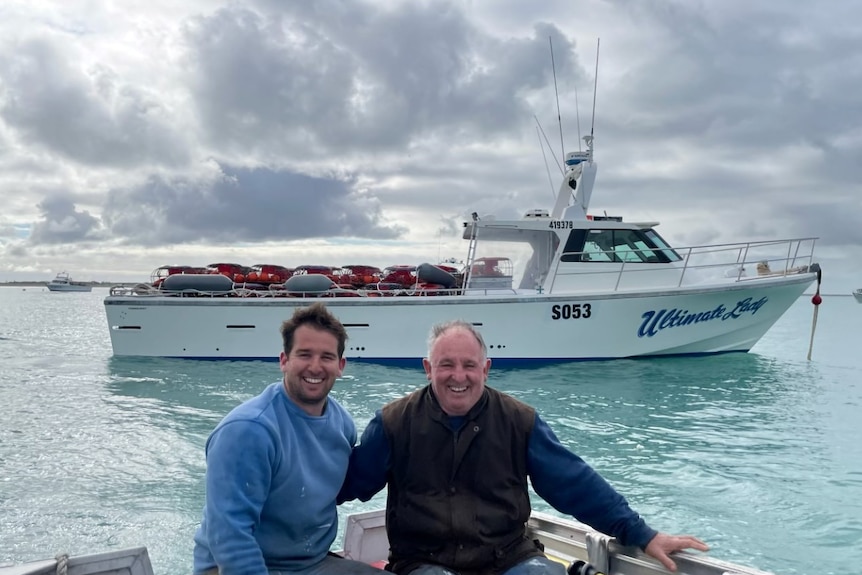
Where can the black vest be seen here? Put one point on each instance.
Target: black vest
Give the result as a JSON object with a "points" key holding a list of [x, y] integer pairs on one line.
{"points": [[458, 499]]}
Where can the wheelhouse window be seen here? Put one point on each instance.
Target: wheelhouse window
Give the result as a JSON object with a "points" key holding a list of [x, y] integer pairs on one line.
{"points": [[618, 246], [662, 246]]}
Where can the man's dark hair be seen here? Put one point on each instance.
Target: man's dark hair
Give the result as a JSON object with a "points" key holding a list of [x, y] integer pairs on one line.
{"points": [[315, 316]]}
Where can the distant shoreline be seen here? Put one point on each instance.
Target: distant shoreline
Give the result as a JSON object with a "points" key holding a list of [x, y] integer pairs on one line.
{"points": [[44, 283]]}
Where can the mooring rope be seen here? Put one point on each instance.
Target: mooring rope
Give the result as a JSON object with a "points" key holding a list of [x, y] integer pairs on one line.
{"points": [[62, 563], [816, 300]]}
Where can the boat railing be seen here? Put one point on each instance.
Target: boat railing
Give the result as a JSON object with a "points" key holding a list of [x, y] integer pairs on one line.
{"points": [[148, 290], [740, 262], [747, 261], [278, 291], [563, 540]]}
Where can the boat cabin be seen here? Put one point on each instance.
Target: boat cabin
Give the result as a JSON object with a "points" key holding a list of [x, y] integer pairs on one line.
{"points": [[540, 254]]}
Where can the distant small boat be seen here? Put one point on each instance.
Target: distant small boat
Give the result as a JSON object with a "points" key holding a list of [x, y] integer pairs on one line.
{"points": [[858, 295], [63, 282], [134, 561]]}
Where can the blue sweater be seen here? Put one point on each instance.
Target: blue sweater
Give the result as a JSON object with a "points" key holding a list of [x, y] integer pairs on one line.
{"points": [[273, 473], [558, 476]]}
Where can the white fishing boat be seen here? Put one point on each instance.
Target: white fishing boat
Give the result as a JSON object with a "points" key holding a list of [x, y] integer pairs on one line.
{"points": [[581, 549], [556, 285], [63, 282], [858, 294]]}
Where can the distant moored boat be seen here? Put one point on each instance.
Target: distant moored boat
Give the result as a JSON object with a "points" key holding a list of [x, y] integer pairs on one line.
{"points": [[63, 282]]}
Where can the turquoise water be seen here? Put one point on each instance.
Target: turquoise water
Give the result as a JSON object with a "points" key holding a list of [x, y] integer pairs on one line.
{"points": [[756, 453]]}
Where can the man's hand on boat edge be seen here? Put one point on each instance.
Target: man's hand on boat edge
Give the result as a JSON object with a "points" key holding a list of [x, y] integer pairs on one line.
{"points": [[662, 545]]}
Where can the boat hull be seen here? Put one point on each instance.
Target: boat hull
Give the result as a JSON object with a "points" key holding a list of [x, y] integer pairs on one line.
{"points": [[517, 328], [69, 288]]}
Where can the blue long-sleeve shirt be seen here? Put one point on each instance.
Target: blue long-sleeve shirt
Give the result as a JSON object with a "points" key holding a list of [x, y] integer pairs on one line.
{"points": [[558, 476], [273, 473]]}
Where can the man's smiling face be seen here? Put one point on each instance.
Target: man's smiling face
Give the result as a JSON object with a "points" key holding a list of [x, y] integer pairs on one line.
{"points": [[457, 369], [311, 368]]}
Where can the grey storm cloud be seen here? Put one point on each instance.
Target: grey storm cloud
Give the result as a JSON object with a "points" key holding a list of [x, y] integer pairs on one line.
{"points": [[844, 230], [751, 79], [743, 88], [90, 116], [332, 76], [62, 223], [243, 205]]}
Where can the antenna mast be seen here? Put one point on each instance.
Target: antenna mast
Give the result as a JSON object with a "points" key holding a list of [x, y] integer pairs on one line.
{"points": [[595, 84], [550, 149], [578, 116], [557, 95], [547, 169]]}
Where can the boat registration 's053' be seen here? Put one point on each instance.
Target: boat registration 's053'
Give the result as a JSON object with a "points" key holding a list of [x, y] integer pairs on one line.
{"points": [[556, 285]]}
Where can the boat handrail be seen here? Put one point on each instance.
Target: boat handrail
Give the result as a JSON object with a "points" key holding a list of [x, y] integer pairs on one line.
{"points": [[240, 291], [751, 243], [564, 540], [791, 264], [703, 257], [149, 291]]}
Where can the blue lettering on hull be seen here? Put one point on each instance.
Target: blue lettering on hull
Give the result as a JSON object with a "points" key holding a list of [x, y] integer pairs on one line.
{"points": [[655, 321]]}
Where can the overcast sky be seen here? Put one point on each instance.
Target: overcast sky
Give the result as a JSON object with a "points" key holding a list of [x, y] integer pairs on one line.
{"points": [[137, 134]]}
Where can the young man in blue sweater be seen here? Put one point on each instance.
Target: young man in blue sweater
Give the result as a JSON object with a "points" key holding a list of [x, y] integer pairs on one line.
{"points": [[456, 456], [276, 462]]}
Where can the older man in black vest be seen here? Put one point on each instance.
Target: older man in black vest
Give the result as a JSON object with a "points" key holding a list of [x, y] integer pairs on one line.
{"points": [[456, 456]]}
